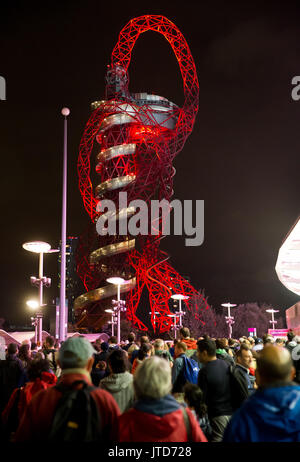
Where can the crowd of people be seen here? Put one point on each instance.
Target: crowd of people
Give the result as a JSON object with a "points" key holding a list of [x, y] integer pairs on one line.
{"points": [[186, 390]]}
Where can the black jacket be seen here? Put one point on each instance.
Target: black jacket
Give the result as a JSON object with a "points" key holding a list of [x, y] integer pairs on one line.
{"points": [[12, 375], [214, 379], [241, 386]]}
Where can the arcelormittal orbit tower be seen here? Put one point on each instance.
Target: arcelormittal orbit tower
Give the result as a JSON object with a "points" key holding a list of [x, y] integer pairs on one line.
{"points": [[131, 140]]}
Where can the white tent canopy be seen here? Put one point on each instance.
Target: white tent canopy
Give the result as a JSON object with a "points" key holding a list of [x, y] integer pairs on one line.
{"points": [[19, 337], [288, 261]]}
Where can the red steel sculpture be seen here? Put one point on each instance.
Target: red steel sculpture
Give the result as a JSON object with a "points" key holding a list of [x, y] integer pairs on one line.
{"points": [[139, 135]]}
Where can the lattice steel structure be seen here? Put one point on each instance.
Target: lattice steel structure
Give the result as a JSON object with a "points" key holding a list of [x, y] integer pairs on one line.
{"points": [[139, 135]]}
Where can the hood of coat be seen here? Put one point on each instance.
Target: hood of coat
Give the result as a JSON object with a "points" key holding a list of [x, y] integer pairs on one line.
{"points": [[117, 382], [31, 388], [190, 343], [162, 416]]}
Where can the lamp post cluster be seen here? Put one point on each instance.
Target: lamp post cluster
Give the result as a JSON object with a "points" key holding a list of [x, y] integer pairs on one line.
{"points": [[272, 321], [118, 306], [178, 314], [229, 318], [154, 317], [40, 248], [113, 321]]}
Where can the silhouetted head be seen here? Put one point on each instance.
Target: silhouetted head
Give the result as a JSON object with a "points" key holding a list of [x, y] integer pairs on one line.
{"points": [[274, 365]]}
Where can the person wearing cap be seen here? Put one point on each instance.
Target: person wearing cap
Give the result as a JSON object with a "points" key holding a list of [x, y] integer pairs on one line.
{"points": [[76, 357]]}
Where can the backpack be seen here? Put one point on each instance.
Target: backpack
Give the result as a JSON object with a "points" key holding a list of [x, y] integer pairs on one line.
{"points": [[77, 417], [187, 424], [190, 370]]}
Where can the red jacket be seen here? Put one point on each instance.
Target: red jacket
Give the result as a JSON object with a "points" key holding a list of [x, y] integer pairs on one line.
{"points": [[26, 393], [36, 422], [138, 426]]}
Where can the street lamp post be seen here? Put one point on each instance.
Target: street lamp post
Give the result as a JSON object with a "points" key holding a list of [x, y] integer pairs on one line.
{"points": [[273, 322], [113, 321], [174, 325], [119, 305], [62, 299], [40, 248], [180, 313], [229, 318], [154, 317], [33, 304]]}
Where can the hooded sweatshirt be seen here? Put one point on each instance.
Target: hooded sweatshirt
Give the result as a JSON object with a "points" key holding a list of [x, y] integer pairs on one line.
{"points": [[190, 343], [158, 420], [269, 415], [120, 386]]}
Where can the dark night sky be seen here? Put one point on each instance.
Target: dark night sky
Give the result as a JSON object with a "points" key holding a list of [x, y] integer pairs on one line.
{"points": [[242, 157]]}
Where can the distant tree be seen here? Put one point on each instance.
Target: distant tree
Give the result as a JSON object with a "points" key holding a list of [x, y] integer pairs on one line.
{"points": [[222, 329], [168, 335], [248, 315], [200, 319]]}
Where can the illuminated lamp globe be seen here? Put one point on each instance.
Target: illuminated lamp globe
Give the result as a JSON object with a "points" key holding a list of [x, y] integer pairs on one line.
{"points": [[65, 111], [116, 280], [33, 304], [180, 297], [37, 247]]}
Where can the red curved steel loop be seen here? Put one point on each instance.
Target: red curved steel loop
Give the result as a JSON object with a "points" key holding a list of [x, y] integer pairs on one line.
{"points": [[122, 54], [139, 135]]}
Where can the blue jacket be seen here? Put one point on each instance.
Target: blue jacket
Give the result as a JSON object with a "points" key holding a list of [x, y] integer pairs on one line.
{"points": [[268, 415]]}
